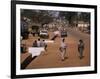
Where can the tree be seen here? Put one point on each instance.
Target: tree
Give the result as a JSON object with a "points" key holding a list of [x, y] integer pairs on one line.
{"points": [[37, 16], [69, 16], [74, 17], [85, 16]]}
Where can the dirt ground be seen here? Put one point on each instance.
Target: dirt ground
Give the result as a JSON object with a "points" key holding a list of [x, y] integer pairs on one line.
{"points": [[52, 57]]}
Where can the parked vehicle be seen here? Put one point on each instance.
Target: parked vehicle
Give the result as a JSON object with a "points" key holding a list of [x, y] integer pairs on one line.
{"points": [[63, 33], [44, 34]]}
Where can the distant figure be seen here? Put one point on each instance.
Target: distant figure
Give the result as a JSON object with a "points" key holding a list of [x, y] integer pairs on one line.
{"points": [[39, 43], [63, 49], [21, 38], [35, 44], [81, 48], [43, 44], [24, 28], [23, 48]]}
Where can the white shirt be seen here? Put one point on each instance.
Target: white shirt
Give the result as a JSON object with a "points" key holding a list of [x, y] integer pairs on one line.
{"points": [[63, 45], [38, 43]]}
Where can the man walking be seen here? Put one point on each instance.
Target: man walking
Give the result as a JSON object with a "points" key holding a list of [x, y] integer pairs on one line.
{"points": [[63, 49], [81, 48]]}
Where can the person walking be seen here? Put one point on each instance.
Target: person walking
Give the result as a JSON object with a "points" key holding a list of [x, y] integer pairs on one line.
{"points": [[62, 49], [81, 48]]}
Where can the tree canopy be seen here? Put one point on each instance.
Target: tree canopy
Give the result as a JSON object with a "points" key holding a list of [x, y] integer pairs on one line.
{"points": [[47, 16]]}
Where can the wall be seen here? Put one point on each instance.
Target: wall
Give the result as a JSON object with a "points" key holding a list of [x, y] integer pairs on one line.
{"points": [[5, 39]]}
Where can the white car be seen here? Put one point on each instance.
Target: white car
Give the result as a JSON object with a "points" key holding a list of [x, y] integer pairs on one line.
{"points": [[44, 34]]}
